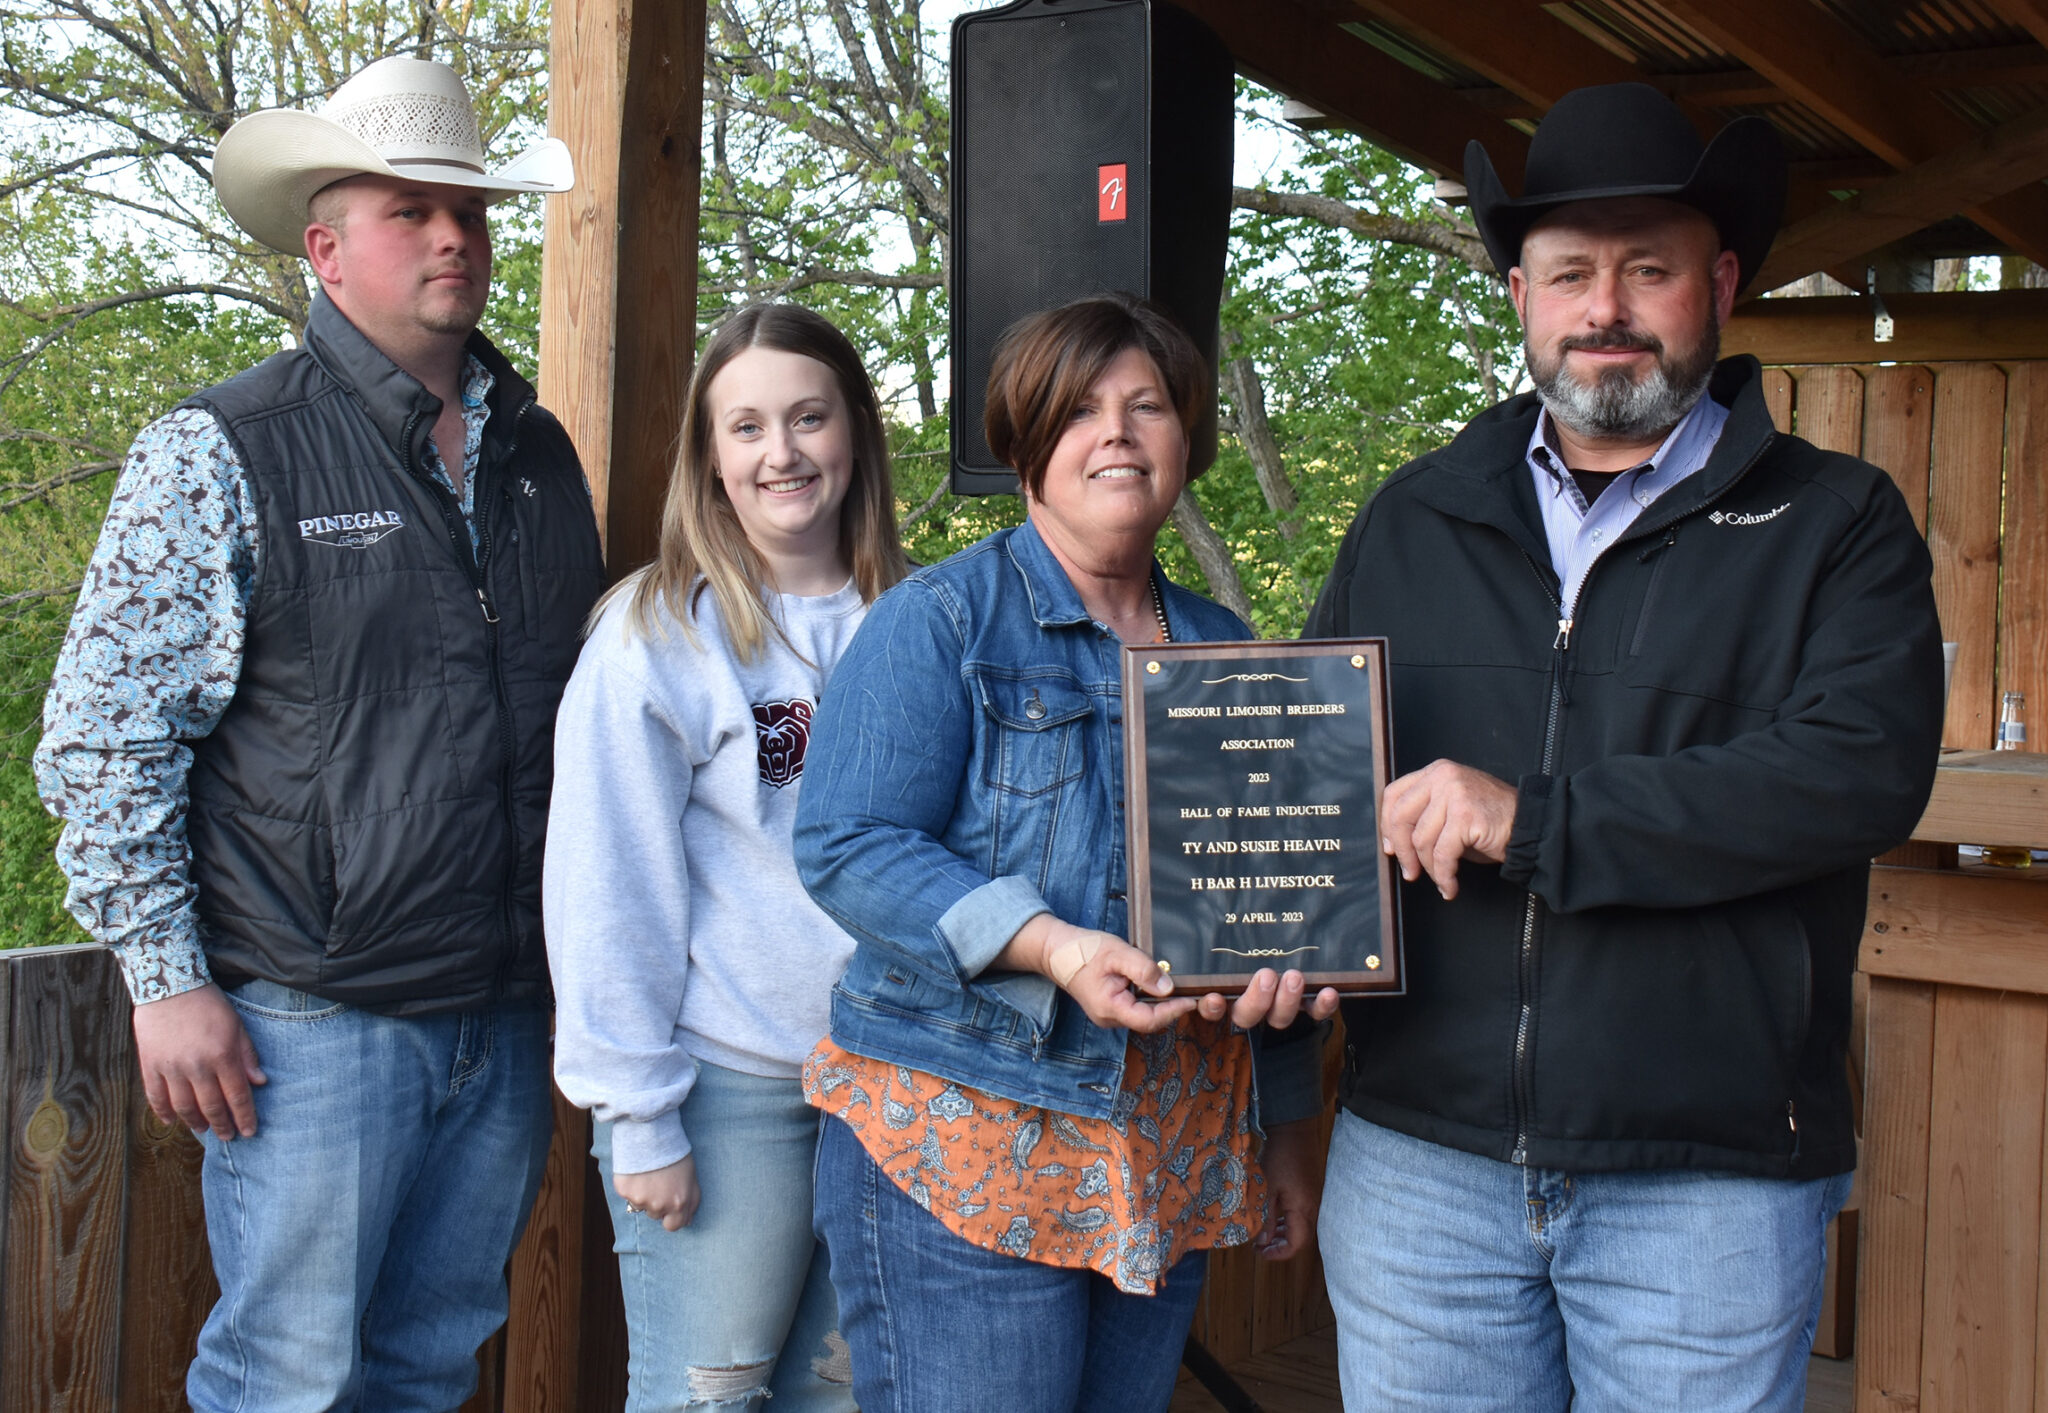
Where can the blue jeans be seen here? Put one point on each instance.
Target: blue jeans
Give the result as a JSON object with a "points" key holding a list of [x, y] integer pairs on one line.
{"points": [[939, 1325], [360, 1238], [737, 1306], [1465, 1283]]}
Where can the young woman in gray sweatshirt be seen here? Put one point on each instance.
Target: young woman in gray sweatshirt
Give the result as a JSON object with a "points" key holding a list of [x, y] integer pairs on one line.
{"points": [[692, 972]]}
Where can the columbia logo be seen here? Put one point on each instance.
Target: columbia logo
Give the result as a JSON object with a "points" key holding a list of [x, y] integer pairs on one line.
{"points": [[356, 530], [1721, 517]]}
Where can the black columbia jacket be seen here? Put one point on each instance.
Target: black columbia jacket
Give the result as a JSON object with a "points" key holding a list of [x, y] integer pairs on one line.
{"points": [[1744, 708]]}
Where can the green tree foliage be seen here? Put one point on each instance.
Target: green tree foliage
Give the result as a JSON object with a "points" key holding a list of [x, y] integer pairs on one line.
{"points": [[1362, 319]]}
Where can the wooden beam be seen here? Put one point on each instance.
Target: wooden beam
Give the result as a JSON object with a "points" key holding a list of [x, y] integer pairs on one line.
{"points": [[2029, 15], [1989, 797], [1988, 165], [1962, 927], [1998, 66], [618, 331], [619, 269], [2006, 325], [1517, 46], [1307, 56], [1827, 66]]}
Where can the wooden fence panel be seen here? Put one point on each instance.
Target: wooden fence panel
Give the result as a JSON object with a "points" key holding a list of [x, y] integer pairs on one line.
{"points": [[1892, 1230], [1984, 1199], [1778, 392], [1898, 418], [1827, 410], [167, 1284], [2023, 596], [1963, 536], [65, 1078]]}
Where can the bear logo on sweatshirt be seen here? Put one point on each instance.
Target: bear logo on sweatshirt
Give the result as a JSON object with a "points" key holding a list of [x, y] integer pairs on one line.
{"points": [[784, 729]]}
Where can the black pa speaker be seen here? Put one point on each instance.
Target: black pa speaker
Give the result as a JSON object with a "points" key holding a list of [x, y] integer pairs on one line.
{"points": [[1091, 152]]}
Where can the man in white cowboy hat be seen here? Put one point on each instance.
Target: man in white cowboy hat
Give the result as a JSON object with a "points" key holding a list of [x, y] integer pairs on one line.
{"points": [[300, 735], [1663, 681]]}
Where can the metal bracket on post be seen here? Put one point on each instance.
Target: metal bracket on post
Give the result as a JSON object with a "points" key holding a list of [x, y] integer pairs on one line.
{"points": [[1881, 317]]}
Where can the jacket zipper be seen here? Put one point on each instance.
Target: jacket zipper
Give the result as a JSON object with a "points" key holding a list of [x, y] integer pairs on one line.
{"points": [[1525, 972], [1560, 647], [474, 563]]}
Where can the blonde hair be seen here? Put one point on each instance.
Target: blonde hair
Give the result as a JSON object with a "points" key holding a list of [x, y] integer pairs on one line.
{"points": [[702, 543]]}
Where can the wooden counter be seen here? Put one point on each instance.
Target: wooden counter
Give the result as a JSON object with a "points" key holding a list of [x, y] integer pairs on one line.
{"points": [[1951, 1308]]}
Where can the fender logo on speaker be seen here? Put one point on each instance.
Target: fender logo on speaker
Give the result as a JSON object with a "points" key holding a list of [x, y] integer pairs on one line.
{"points": [[1111, 193]]}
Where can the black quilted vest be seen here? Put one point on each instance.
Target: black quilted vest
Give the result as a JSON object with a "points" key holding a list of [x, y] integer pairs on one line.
{"points": [[367, 818]]}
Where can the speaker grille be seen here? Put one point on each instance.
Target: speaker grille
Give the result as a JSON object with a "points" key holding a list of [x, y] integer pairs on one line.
{"points": [[1042, 103], [1046, 95]]}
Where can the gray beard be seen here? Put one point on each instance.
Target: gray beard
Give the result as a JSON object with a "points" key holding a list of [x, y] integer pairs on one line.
{"points": [[1617, 406]]}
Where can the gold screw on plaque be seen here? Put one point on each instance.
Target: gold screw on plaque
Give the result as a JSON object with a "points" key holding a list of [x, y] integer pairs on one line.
{"points": [[1165, 965], [1372, 963], [1358, 660], [1151, 667]]}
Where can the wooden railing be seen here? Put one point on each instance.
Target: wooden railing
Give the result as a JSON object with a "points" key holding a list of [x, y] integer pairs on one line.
{"points": [[104, 1276]]}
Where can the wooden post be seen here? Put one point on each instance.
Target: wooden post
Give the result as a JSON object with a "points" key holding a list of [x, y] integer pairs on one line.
{"points": [[619, 269], [618, 334], [66, 1069]]}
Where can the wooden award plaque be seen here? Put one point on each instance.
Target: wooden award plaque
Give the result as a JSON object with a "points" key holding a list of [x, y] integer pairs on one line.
{"points": [[1252, 776]]}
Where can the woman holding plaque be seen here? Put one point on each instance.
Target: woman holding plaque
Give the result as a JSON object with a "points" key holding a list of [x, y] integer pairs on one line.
{"points": [[1032, 1143], [691, 969]]}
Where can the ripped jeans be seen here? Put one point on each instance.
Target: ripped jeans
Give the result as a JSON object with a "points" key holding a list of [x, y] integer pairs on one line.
{"points": [[736, 1307]]}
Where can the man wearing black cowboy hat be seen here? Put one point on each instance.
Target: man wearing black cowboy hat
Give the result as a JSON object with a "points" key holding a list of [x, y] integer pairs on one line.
{"points": [[1663, 681]]}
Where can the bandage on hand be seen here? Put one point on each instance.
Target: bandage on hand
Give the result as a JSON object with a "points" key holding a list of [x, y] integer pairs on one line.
{"points": [[1064, 962]]}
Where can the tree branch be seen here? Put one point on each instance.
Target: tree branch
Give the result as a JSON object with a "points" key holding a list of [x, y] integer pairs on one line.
{"points": [[72, 477], [1211, 554], [1332, 212]]}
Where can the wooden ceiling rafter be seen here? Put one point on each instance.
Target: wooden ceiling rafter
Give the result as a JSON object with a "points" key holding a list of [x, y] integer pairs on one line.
{"points": [[2029, 15], [1987, 166], [1831, 69], [1522, 50], [1302, 54]]}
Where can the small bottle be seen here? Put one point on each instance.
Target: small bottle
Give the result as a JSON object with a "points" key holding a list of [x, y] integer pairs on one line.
{"points": [[2012, 735]]}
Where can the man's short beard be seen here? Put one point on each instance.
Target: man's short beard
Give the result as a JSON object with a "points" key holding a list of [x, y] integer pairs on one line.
{"points": [[448, 321], [1617, 405]]}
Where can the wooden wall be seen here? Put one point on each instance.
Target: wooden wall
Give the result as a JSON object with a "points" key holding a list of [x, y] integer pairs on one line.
{"points": [[104, 1273], [1942, 431], [1953, 1259]]}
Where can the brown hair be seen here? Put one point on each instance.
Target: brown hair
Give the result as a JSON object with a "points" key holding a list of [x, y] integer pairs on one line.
{"points": [[1045, 364], [700, 531]]}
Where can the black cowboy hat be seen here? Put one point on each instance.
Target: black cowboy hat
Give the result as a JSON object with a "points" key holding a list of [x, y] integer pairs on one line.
{"points": [[1627, 139]]}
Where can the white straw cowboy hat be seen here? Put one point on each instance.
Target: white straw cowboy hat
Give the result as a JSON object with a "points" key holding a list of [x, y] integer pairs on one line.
{"points": [[399, 117]]}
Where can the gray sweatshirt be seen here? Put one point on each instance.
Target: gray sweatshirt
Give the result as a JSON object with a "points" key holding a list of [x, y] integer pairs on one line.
{"points": [[677, 928]]}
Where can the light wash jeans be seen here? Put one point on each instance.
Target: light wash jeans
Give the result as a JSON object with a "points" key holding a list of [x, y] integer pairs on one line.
{"points": [[737, 1306], [360, 1238], [1462, 1283], [940, 1325]]}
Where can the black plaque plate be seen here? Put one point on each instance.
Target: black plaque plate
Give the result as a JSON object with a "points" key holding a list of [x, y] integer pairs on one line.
{"points": [[1253, 774]]}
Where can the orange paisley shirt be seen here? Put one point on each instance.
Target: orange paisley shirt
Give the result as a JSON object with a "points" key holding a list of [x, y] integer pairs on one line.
{"points": [[1169, 1171]]}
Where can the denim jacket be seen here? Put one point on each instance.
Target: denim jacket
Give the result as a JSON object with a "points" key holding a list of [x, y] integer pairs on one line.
{"points": [[965, 773]]}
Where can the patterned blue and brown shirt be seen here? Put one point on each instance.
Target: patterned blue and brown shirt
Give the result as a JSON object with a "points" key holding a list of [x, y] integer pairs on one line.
{"points": [[148, 666]]}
